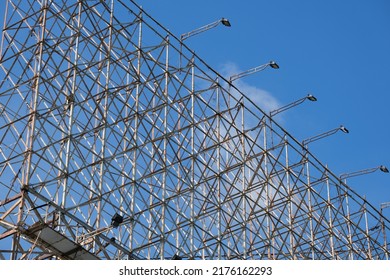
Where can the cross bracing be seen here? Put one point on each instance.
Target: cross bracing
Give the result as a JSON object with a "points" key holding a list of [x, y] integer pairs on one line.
{"points": [[103, 111]]}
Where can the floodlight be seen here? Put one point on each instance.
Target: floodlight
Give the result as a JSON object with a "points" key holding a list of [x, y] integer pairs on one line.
{"points": [[225, 22], [383, 169], [273, 65], [176, 257], [311, 97], [116, 220], [343, 129]]}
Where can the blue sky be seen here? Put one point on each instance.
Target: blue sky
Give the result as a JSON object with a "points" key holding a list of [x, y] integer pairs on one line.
{"points": [[335, 50]]}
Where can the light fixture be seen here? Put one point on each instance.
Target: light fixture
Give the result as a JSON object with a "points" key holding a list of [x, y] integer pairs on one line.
{"points": [[383, 169], [344, 129], [271, 64], [226, 22], [293, 104], [116, 220], [364, 171], [311, 97], [176, 257], [325, 134]]}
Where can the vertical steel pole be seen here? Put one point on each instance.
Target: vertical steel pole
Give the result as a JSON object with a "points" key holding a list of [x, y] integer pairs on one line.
{"points": [[349, 225], [267, 198], [136, 125], [192, 245], [290, 198], [179, 178], [219, 199], [331, 230], [26, 175], [71, 101], [367, 230], [384, 234], [164, 180], [312, 245], [243, 171], [105, 104]]}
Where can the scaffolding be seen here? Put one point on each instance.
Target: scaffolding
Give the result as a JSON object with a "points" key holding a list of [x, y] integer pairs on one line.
{"points": [[118, 142]]}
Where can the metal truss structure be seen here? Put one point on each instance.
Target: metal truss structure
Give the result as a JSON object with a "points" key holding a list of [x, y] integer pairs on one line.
{"points": [[118, 142]]}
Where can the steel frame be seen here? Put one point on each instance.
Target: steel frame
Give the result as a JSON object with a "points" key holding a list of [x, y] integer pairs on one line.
{"points": [[104, 111]]}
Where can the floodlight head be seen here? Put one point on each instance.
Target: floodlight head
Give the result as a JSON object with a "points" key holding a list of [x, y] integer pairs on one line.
{"points": [[343, 129], [273, 64], [176, 257], [311, 97], [226, 22], [116, 220], [384, 169]]}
